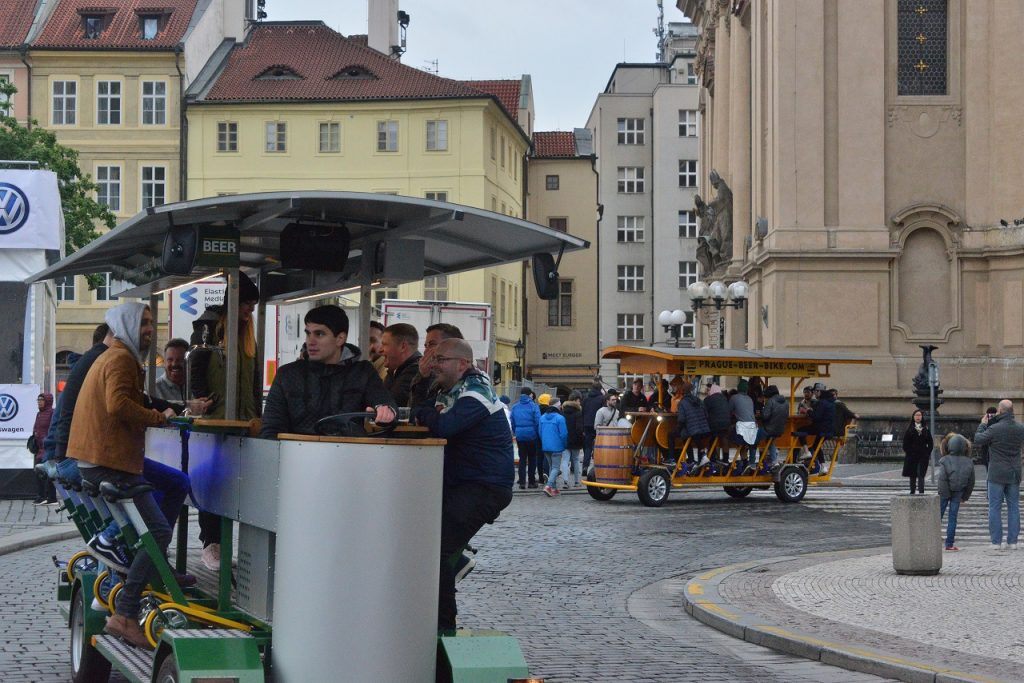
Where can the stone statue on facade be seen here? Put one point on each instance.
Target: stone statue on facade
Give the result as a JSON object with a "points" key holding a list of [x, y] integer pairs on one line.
{"points": [[714, 240]]}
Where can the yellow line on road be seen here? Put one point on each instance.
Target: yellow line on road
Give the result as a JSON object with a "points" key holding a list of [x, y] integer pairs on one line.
{"points": [[695, 589], [712, 607]]}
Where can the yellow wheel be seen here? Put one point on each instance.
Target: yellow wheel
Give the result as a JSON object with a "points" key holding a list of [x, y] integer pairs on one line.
{"points": [[113, 594], [77, 561], [168, 615], [97, 589]]}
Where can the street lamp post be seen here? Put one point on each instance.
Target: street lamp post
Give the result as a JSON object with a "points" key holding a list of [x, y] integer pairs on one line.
{"points": [[672, 322], [718, 296], [520, 350]]}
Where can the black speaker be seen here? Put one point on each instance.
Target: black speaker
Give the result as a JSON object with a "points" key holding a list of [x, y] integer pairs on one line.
{"points": [[545, 277], [181, 245], [314, 247]]}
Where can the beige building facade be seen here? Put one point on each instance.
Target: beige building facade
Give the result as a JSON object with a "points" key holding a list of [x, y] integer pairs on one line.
{"points": [[561, 335], [878, 144]]}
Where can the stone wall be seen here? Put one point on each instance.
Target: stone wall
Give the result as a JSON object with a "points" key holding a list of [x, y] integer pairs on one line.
{"points": [[867, 445]]}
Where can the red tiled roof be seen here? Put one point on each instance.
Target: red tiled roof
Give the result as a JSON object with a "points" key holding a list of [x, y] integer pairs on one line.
{"points": [[317, 53], [507, 92], [16, 23], [65, 28], [554, 143]]}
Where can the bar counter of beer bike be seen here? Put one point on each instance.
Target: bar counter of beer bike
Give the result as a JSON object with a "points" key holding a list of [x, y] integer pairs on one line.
{"points": [[337, 543]]}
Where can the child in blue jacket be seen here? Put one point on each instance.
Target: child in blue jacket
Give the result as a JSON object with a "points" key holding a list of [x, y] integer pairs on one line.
{"points": [[554, 438]]}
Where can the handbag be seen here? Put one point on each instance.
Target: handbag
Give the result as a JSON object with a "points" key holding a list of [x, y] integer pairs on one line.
{"points": [[32, 445]]}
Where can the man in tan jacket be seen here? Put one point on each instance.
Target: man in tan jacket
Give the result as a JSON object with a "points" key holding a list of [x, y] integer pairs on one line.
{"points": [[107, 439]]}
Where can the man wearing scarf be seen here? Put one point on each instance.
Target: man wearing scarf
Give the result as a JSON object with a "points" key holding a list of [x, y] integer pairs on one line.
{"points": [[108, 439]]}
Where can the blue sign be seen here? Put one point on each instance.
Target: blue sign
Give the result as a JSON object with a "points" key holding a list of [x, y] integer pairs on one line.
{"points": [[8, 407], [13, 208], [189, 301]]}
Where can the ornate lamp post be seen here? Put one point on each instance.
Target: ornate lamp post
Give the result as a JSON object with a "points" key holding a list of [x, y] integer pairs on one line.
{"points": [[672, 322], [718, 296], [520, 350]]}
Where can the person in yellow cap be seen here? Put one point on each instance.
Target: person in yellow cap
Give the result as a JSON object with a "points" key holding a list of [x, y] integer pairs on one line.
{"points": [[544, 399]]}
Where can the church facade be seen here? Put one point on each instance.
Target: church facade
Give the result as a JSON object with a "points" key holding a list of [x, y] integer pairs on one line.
{"points": [[870, 152]]}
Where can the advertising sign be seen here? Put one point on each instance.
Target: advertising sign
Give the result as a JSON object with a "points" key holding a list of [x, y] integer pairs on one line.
{"points": [[30, 215], [766, 368], [18, 410]]}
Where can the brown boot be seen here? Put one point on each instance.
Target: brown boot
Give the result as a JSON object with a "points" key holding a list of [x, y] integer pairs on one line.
{"points": [[127, 630]]}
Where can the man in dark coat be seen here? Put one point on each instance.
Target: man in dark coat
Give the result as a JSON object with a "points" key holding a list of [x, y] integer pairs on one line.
{"points": [[717, 406], [398, 346], [334, 380], [1004, 437], [774, 416], [592, 403], [635, 400]]}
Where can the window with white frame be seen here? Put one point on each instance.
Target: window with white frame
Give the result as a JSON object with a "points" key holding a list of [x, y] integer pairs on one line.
{"points": [[150, 25], [630, 278], [65, 288], [6, 101], [631, 179], [631, 131], [687, 273], [154, 103], [276, 139], [502, 151], [387, 136], [103, 292], [108, 103], [437, 136], [629, 326], [494, 143], [380, 294], [437, 196], [691, 74], [108, 187], [688, 224], [503, 308], [687, 123], [154, 186], [64, 103], [687, 173], [435, 288], [626, 380], [560, 308], [689, 329], [227, 136], [630, 228], [330, 137]]}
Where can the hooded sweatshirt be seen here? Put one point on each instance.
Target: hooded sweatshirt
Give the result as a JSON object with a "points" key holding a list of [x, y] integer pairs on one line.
{"points": [[525, 419], [955, 473], [42, 423], [125, 322], [554, 435]]}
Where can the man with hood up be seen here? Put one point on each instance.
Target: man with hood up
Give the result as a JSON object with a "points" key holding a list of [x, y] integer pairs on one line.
{"points": [[46, 494], [108, 433], [334, 380]]}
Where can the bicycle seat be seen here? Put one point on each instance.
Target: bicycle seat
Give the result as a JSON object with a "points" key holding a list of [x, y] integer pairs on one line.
{"points": [[90, 488], [46, 470], [113, 492]]}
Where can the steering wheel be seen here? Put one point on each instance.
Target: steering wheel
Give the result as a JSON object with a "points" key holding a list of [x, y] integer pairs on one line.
{"points": [[343, 424]]}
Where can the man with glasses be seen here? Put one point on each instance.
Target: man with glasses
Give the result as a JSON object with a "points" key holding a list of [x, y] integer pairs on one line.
{"points": [[478, 466]]}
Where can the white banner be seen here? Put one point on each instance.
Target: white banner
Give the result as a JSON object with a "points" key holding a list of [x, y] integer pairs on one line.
{"points": [[18, 410], [30, 214]]}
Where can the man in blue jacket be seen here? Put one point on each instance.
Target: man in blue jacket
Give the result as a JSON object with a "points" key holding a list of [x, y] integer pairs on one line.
{"points": [[526, 425], [478, 466]]}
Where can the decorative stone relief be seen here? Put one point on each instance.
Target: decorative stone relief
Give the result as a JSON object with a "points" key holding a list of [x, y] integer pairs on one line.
{"points": [[924, 121]]}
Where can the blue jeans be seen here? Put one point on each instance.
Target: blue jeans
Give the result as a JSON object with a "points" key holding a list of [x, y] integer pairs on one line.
{"points": [[170, 488], [954, 508], [557, 462], [997, 493], [574, 464], [142, 569]]}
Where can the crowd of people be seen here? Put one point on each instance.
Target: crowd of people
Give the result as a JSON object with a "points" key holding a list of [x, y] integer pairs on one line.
{"points": [[96, 430]]}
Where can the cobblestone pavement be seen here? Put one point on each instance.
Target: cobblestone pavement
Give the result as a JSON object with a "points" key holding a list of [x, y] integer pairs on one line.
{"points": [[17, 516], [591, 590]]}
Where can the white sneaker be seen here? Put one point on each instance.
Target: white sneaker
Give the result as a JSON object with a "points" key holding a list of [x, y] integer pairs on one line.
{"points": [[805, 454], [211, 557], [1011, 546], [704, 461], [996, 546], [824, 468]]}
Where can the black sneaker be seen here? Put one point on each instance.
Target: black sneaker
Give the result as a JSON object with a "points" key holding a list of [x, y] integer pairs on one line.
{"points": [[39, 501], [463, 566], [115, 556]]}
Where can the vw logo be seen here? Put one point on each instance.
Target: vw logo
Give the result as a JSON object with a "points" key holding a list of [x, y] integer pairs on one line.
{"points": [[13, 208], [8, 407]]}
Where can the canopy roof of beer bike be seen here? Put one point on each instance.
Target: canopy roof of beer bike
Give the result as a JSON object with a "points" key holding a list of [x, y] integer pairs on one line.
{"points": [[456, 238], [728, 362]]}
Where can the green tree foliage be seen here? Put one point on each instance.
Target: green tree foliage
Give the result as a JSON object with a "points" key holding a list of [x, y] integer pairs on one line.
{"points": [[34, 143]]}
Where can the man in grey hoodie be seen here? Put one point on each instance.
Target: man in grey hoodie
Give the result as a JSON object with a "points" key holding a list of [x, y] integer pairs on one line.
{"points": [[1004, 437]]}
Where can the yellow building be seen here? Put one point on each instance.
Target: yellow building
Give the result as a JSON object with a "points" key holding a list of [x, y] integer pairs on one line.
{"points": [[108, 80], [299, 106]]}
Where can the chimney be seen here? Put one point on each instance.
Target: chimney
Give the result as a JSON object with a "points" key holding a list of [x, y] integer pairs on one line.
{"points": [[382, 32]]}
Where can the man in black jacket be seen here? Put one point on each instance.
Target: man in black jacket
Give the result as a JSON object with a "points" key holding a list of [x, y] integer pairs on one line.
{"points": [[334, 380], [593, 402], [398, 346]]}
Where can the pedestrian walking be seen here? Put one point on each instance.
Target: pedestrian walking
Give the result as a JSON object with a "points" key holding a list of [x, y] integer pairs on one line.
{"points": [[46, 493], [573, 414], [554, 440], [593, 402], [917, 449], [525, 421], [1004, 436], [955, 481]]}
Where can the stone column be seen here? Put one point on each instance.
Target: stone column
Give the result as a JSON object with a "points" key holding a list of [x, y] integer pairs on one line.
{"points": [[720, 141], [739, 133]]}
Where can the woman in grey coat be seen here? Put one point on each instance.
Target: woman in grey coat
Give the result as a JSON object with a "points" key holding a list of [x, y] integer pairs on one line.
{"points": [[954, 478]]}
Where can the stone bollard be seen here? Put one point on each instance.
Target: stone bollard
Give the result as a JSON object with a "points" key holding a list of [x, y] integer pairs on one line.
{"points": [[916, 535]]}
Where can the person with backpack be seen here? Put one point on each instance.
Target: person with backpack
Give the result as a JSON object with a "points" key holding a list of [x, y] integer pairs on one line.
{"points": [[525, 415], [573, 414]]}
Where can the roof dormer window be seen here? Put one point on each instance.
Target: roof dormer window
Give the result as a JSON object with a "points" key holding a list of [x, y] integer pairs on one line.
{"points": [[150, 27], [278, 72], [95, 22], [355, 72], [151, 23]]}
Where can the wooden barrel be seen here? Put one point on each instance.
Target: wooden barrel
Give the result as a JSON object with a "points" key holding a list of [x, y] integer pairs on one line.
{"points": [[613, 456]]}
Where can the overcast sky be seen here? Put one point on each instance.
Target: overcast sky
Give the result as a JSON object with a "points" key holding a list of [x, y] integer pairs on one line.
{"points": [[569, 47]]}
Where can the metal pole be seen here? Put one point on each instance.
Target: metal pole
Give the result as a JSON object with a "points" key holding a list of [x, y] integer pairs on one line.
{"points": [[231, 346], [933, 380]]}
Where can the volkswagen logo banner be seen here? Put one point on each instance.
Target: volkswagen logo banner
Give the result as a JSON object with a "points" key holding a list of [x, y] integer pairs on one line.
{"points": [[30, 213], [17, 410]]}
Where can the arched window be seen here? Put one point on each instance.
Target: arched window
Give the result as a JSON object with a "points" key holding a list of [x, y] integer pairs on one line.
{"points": [[922, 47]]}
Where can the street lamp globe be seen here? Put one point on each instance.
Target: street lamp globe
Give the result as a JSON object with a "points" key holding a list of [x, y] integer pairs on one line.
{"points": [[677, 317], [697, 290], [665, 318], [739, 290], [718, 290]]}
